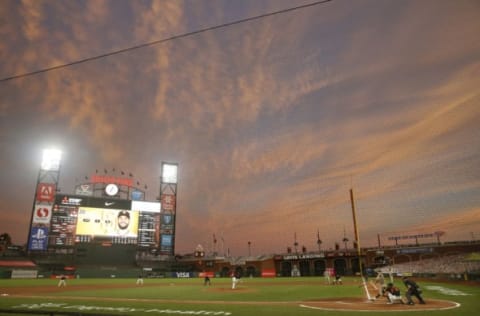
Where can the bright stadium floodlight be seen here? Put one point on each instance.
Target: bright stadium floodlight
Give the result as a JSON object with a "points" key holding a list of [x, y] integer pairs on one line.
{"points": [[51, 159], [169, 172]]}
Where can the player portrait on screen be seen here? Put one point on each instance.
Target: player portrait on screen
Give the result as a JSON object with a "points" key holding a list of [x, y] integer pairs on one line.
{"points": [[123, 223], [107, 222]]}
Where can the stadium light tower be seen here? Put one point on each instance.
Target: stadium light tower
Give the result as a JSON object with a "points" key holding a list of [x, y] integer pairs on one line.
{"points": [[51, 159], [169, 173], [43, 199], [168, 199]]}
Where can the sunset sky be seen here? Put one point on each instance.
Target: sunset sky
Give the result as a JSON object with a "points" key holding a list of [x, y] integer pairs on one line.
{"points": [[271, 121]]}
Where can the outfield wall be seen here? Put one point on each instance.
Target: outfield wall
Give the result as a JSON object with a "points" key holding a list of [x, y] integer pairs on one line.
{"points": [[94, 254]]}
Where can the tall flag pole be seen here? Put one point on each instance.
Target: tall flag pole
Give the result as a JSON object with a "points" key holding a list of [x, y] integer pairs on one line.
{"points": [[214, 244]]}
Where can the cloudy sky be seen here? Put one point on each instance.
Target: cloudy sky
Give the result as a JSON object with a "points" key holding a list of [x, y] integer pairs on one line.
{"points": [[271, 121]]}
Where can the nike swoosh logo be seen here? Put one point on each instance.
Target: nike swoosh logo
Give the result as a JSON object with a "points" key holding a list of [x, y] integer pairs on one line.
{"points": [[109, 203]]}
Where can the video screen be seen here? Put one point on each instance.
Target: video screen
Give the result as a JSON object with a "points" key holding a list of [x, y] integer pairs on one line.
{"points": [[148, 223], [106, 222], [62, 226]]}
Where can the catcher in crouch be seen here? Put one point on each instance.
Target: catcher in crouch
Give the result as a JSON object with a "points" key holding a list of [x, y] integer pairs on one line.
{"points": [[393, 294]]}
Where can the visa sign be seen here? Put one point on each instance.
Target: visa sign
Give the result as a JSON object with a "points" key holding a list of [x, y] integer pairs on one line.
{"points": [[182, 274]]}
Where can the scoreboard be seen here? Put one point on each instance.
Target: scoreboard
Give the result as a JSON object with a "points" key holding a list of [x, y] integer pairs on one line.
{"points": [[78, 219]]}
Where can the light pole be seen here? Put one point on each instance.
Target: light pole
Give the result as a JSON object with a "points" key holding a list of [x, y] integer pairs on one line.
{"points": [[319, 241], [295, 243], [249, 244], [345, 240]]}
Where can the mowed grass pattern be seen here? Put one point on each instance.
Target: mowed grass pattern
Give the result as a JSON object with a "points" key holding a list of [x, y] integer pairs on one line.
{"points": [[254, 296]]}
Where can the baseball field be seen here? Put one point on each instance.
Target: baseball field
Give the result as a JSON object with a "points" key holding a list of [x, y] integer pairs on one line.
{"points": [[253, 296]]}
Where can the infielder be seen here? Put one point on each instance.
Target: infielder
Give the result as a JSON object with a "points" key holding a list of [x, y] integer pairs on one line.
{"points": [[63, 281], [326, 274], [139, 280], [235, 279]]}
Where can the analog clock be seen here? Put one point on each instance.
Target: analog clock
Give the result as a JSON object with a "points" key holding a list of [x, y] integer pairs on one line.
{"points": [[111, 189]]}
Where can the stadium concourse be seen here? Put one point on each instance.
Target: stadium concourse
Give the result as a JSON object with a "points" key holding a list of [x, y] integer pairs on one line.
{"points": [[434, 258]]}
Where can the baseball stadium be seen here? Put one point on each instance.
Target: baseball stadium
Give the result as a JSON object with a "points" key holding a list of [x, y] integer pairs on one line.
{"points": [[104, 249]]}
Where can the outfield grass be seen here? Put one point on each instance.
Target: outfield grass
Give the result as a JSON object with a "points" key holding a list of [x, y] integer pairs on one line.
{"points": [[276, 296]]}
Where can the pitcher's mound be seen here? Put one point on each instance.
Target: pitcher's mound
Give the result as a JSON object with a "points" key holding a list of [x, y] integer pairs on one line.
{"points": [[228, 290], [362, 304]]}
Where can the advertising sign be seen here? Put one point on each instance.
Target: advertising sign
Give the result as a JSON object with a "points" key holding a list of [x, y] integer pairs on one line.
{"points": [[69, 200], [96, 202], [415, 250], [182, 275], [204, 274], [111, 179], [168, 202], [84, 189], [166, 222], [268, 273], [111, 203], [45, 192], [146, 206], [167, 240], [42, 214], [166, 243], [38, 238], [137, 195]]}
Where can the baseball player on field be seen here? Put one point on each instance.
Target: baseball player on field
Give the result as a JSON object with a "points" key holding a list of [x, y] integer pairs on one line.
{"points": [[379, 284], [235, 279]]}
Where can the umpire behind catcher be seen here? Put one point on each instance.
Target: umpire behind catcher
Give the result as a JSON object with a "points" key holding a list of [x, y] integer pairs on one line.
{"points": [[412, 290]]}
